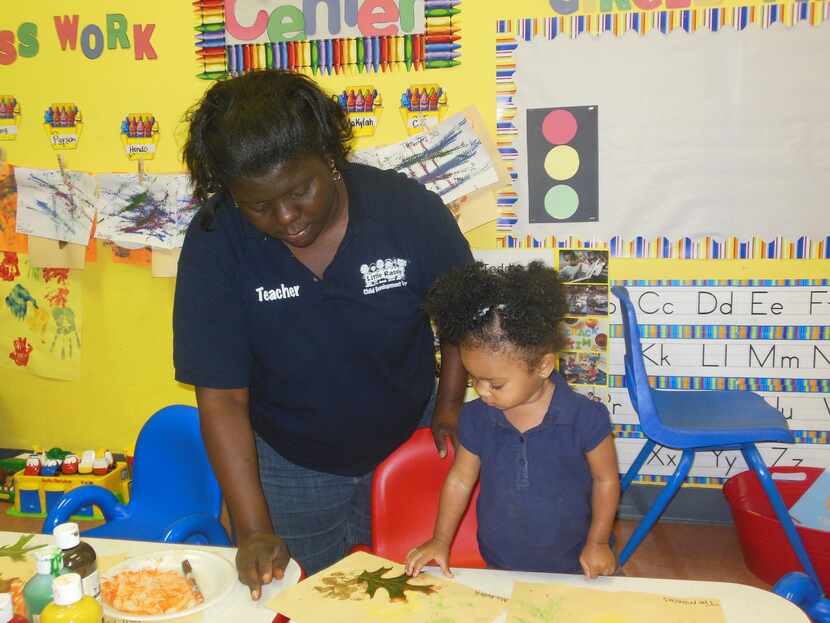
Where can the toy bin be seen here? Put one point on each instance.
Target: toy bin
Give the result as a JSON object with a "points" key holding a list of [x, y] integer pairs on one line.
{"points": [[765, 547]]}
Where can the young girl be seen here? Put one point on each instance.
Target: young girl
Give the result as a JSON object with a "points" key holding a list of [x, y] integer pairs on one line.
{"points": [[545, 455]]}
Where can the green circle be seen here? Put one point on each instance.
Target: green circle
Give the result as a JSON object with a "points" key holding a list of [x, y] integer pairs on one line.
{"points": [[562, 162], [561, 201]]}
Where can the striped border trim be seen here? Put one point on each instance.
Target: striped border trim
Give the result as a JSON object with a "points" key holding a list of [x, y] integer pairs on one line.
{"points": [[738, 383], [633, 431], [727, 332]]}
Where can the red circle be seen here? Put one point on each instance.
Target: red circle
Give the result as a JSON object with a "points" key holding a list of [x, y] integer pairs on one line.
{"points": [[559, 126]]}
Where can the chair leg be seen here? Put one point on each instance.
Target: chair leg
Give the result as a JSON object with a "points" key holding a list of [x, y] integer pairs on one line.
{"points": [[756, 463], [634, 469], [660, 504]]}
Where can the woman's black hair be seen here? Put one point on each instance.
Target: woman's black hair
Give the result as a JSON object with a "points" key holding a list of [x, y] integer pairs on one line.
{"points": [[246, 126], [515, 307]]}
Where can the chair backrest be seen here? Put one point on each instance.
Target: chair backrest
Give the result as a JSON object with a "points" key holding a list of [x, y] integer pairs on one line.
{"points": [[171, 471], [405, 493], [636, 379]]}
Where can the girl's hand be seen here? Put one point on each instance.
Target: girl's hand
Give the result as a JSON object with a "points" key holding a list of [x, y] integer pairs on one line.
{"points": [[426, 553], [597, 559], [261, 557]]}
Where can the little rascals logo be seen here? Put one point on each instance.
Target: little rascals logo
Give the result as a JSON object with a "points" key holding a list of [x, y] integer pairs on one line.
{"points": [[383, 275]]}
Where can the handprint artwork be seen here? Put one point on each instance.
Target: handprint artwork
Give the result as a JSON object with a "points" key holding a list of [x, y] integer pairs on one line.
{"points": [[40, 318]]}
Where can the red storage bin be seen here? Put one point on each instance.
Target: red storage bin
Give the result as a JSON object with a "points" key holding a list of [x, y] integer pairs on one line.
{"points": [[765, 547]]}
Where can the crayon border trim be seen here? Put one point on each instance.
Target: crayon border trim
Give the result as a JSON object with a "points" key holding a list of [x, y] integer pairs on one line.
{"points": [[219, 61]]}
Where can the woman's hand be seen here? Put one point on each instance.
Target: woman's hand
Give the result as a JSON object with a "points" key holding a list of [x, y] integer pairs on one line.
{"points": [[261, 557], [597, 559], [433, 549], [444, 425]]}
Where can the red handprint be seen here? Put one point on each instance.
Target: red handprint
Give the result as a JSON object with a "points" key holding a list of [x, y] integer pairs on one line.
{"points": [[9, 270], [21, 352], [59, 274], [58, 297]]}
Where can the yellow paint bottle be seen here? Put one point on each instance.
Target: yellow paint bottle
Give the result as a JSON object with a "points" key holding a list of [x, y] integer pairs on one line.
{"points": [[70, 605]]}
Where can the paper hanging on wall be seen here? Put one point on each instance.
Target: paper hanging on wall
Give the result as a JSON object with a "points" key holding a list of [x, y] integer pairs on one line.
{"points": [[149, 210], [165, 262], [539, 602], [47, 253], [363, 588], [64, 124], [10, 240], [9, 117], [41, 317], [449, 159], [140, 135], [54, 204]]}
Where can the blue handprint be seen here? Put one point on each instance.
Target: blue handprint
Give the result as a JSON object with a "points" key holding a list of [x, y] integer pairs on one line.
{"points": [[18, 301]]}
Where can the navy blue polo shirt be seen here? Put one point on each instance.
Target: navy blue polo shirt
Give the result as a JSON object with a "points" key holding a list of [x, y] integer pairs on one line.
{"points": [[534, 510], [339, 369]]}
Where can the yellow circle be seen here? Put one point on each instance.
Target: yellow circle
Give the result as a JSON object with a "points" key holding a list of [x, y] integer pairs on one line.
{"points": [[562, 162]]}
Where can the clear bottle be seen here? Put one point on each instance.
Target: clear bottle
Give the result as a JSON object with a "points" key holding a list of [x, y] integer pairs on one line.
{"points": [[38, 590], [71, 605], [7, 614], [78, 557]]}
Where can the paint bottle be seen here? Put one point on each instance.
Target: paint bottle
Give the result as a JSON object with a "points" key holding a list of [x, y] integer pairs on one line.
{"points": [[7, 614], [71, 605], [37, 593], [78, 557]]}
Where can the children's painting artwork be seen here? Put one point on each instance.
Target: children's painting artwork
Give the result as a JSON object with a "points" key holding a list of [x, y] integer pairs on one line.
{"points": [[450, 159], [40, 319], [363, 588], [535, 602], [143, 210], [10, 240], [54, 204]]}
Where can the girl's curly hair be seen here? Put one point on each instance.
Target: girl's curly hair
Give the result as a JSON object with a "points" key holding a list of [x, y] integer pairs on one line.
{"points": [[246, 126], [514, 307]]}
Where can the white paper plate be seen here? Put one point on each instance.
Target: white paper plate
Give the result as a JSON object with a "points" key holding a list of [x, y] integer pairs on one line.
{"points": [[215, 576]]}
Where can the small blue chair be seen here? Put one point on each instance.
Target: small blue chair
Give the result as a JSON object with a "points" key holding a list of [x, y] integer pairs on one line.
{"points": [[699, 421], [175, 497]]}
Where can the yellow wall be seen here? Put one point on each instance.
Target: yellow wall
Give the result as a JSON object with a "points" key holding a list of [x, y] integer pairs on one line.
{"points": [[127, 368]]}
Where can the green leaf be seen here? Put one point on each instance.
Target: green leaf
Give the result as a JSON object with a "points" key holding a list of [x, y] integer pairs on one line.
{"points": [[395, 586], [18, 551]]}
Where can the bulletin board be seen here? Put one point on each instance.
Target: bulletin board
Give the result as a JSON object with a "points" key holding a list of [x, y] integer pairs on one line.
{"points": [[662, 134]]}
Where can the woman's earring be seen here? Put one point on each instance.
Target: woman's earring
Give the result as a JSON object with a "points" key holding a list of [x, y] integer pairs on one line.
{"points": [[336, 175]]}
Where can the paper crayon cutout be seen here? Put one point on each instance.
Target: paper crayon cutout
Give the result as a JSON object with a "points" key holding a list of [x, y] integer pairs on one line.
{"points": [[423, 106], [363, 106], [63, 123], [140, 135], [9, 117], [220, 56]]}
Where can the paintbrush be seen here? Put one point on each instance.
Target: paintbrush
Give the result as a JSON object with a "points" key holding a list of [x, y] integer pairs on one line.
{"points": [[188, 573]]}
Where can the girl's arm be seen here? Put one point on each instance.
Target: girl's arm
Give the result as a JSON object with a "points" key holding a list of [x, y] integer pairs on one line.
{"points": [[455, 495], [597, 558]]}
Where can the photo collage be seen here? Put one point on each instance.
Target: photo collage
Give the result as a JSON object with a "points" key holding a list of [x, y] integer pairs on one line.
{"points": [[584, 360]]}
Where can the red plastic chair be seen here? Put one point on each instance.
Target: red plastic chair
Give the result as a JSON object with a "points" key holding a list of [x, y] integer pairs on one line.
{"points": [[405, 493]]}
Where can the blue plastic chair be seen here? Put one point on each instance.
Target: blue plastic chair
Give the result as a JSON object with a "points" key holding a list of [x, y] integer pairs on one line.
{"points": [[699, 421], [175, 497]]}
